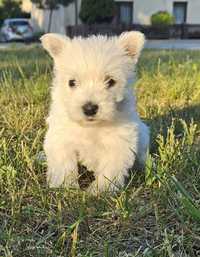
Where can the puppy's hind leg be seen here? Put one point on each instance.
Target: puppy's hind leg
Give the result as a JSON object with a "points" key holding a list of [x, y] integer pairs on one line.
{"points": [[143, 144]]}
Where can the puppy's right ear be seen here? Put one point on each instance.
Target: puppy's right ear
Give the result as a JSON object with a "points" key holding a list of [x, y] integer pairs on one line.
{"points": [[54, 43]]}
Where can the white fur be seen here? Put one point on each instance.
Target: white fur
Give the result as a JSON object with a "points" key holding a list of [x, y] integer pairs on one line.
{"points": [[110, 143]]}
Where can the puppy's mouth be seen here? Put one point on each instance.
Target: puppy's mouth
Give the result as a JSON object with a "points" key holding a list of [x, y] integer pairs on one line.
{"points": [[90, 119], [88, 122]]}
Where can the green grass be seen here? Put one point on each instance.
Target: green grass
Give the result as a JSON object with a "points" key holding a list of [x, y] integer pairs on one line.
{"points": [[157, 216]]}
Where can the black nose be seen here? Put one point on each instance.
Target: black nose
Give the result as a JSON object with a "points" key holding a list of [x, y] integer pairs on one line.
{"points": [[90, 109]]}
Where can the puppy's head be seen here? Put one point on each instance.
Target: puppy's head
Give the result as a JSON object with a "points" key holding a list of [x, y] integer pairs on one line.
{"points": [[91, 74]]}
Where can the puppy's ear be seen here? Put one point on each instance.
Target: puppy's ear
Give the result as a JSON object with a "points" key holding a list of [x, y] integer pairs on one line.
{"points": [[132, 42], [54, 43]]}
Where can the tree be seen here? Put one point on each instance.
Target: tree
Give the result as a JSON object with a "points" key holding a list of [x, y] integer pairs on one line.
{"points": [[76, 11], [11, 9], [97, 11], [51, 5]]}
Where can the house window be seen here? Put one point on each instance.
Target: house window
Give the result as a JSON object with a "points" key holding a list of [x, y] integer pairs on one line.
{"points": [[125, 12], [180, 12]]}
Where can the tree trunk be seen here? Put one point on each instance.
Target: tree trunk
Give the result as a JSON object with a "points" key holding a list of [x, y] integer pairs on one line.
{"points": [[50, 20], [76, 12]]}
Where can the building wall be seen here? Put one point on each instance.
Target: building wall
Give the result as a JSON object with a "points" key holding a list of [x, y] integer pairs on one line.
{"points": [[61, 18], [70, 13], [193, 11], [40, 19], [142, 11]]}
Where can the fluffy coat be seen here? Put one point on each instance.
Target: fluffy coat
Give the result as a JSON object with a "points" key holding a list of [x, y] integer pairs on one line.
{"points": [[94, 70]]}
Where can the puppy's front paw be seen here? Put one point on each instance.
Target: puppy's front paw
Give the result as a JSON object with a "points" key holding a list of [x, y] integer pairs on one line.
{"points": [[103, 184], [57, 178]]}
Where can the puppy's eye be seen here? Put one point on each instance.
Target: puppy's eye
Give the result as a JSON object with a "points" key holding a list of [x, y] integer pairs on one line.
{"points": [[110, 82], [72, 82]]}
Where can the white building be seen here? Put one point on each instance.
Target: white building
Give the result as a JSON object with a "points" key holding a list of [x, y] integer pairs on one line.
{"points": [[140, 11], [62, 17], [128, 11]]}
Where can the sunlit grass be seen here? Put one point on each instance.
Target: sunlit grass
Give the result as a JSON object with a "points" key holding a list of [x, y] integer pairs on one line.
{"points": [[157, 216]]}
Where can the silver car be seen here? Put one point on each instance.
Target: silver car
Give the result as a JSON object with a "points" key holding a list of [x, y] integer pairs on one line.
{"points": [[16, 30]]}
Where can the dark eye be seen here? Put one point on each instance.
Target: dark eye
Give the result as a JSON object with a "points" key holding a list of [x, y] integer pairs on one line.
{"points": [[110, 82], [72, 82]]}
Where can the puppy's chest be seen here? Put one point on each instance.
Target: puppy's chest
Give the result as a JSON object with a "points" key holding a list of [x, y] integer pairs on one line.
{"points": [[90, 149], [94, 145]]}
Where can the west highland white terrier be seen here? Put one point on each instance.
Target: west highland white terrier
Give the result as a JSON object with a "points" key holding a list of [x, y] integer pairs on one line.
{"points": [[93, 118]]}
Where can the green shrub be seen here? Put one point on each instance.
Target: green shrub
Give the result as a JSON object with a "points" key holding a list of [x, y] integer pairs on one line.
{"points": [[162, 18], [97, 11]]}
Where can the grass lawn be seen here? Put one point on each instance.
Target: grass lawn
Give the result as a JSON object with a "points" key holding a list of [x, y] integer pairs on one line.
{"points": [[157, 216]]}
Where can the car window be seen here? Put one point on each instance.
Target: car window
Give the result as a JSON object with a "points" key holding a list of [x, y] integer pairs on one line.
{"points": [[18, 23]]}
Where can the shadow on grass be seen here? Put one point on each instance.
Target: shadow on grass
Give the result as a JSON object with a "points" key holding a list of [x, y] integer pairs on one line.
{"points": [[160, 124]]}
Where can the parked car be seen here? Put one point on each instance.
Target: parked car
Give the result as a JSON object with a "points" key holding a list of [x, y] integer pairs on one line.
{"points": [[16, 30]]}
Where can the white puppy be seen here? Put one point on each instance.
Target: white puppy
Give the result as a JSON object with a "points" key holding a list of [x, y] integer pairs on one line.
{"points": [[93, 118]]}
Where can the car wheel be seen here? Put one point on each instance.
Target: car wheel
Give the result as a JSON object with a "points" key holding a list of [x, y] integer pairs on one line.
{"points": [[4, 39]]}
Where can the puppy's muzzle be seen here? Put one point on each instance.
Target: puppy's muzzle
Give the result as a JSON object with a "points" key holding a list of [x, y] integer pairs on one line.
{"points": [[90, 109]]}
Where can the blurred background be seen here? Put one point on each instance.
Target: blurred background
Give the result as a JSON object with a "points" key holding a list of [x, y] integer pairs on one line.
{"points": [[159, 214], [27, 20]]}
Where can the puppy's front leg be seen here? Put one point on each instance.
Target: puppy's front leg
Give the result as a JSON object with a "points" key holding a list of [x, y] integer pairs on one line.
{"points": [[62, 166], [112, 171]]}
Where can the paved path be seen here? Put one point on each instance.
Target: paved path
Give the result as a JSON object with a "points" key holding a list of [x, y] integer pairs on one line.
{"points": [[2, 46], [16, 45], [189, 44]]}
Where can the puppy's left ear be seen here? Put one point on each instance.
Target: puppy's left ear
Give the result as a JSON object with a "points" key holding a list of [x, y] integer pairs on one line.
{"points": [[133, 43], [54, 43]]}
